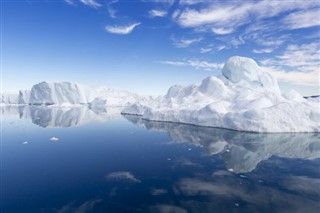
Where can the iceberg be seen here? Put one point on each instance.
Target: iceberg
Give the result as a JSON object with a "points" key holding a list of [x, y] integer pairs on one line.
{"points": [[9, 98], [243, 98], [68, 94]]}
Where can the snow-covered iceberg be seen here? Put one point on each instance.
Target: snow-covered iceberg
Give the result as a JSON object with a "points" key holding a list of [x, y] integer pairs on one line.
{"points": [[68, 94], [244, 98]]}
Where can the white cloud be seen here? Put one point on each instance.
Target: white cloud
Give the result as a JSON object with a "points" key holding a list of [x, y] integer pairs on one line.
{"points": [[296, 77], [128, 176], [222, 47], [157, 13], [112, 12], [299, 64], [191, 2], [204, 65], [91, 3], [265, 50], [70, 2], [233, 14], [302, 19], [164, 3], [176, 13], [222, 31], [205, 50], [182, 43], [121, 29]]}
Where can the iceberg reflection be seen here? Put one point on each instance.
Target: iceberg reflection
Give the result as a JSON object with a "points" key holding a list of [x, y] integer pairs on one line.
{"points": [[241, 151], [50, 116]]}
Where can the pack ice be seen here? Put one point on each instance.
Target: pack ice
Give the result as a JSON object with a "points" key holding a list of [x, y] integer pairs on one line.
{"points": [[244, 98]]}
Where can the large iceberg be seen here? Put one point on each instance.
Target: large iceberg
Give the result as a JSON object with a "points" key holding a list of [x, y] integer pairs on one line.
{"points": [[68, 94], [244, 98]]}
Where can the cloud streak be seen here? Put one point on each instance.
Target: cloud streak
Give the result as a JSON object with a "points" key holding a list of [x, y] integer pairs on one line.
{"points": [[183, 43], [197, 64], [301, 61], [91, 3], [122, 30], [157, 13]]}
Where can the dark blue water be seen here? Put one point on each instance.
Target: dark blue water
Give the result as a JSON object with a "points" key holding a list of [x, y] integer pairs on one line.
{"points": [[106, 162]]}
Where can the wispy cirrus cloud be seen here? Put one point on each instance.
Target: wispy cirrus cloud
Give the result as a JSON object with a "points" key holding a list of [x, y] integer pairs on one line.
{"points": [[222, 30], [302, 19], [111, 11], [197, 64], [182, 43], [70, 2], [157, 13], [298, 64], [249, 20], [238, 13], [265, 50], [122, 30], [90, 3]]}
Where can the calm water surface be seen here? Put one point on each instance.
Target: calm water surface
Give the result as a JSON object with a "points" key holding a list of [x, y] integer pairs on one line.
{"points": [[96, 160]]}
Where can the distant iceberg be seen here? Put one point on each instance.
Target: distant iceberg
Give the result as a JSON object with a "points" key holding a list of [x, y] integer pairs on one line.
{"points": [[68, 94], [243, 98]]}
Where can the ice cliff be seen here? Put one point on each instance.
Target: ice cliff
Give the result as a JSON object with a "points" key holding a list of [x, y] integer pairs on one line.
{"points": [[244, 98]]}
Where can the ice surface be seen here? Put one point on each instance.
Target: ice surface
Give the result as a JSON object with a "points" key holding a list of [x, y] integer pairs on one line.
{"points": [[244, 98]]}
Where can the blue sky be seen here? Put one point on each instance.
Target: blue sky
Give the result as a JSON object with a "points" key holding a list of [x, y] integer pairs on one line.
{"points": [[147, 46]]}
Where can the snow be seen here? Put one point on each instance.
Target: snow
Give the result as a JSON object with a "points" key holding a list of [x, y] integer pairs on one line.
{"points": [[244, 98]]}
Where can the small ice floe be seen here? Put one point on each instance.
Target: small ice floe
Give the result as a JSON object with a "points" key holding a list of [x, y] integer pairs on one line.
{"points": [[260, 181], [169, 159], [237, 204], [25, 142], [228, 150], [230, 170], [243, 176], [54, 139], [124, 176], [189, 149]]}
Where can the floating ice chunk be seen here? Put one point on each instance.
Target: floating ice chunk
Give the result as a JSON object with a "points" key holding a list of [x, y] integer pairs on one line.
{"points": [[25, 142], [123, 175], [54, 139]]}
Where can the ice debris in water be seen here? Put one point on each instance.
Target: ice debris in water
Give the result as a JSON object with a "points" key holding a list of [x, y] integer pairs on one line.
{"points": [[54, 139]]}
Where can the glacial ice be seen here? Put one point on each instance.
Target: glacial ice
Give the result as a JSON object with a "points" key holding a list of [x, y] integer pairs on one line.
{"points": [[244, 98]]}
